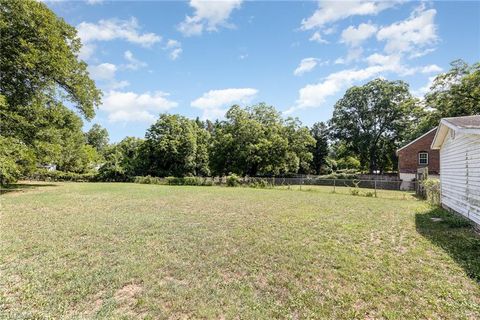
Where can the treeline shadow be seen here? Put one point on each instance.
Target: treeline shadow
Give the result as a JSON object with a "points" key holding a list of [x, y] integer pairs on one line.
{"points": [[455, 235], [18, 187]]}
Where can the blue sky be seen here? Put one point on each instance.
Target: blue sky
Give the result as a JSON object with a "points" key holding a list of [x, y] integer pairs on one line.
{"points": [[197, 58]]}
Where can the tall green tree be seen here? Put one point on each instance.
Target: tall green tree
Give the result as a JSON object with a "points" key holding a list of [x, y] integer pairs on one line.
{"points": [[176, 146], [40, 70], [97, 137], [454, 93], [373, 119], [40, 55], [319, 132], [123, 160], [257, 141]]}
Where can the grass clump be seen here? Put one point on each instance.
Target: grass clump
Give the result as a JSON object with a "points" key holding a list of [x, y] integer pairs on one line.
{"points": [[233, 180], [432, 191]]}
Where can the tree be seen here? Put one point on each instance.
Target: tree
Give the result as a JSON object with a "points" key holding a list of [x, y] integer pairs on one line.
{"points": [[41, 70], [176, 146], [373, 119], [123, 160], [257, 141], [97, 137], [319, 132], [452, 94], [16, 160], [40, 55]]}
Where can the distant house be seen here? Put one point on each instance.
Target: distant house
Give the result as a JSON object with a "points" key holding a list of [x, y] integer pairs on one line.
{"points": [[415, 155], [458, 140]]}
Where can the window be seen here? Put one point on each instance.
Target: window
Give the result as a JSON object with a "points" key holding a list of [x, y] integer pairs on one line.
{"points": [[423, 158]]}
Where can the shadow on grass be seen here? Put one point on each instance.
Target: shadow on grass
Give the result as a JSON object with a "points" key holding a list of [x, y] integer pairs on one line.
{"points": [[23, 187], [455, 235]]}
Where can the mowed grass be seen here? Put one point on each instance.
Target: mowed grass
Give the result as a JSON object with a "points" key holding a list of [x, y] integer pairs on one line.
{"points": [[101, 250]]}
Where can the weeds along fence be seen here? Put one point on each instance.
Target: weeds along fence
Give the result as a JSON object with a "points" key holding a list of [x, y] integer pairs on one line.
{"points": [[265, 182], [334, 183]]}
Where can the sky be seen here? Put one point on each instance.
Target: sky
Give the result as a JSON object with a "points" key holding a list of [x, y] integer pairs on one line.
{"points": [[198, 58]]}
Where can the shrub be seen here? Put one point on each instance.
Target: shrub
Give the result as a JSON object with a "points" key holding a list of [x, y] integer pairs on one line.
{"points": [[369, 194], [148, 180], [188, 181], [262, 183], [174, 181], [233, 180], [45, 175], [192, 181], [432, 190]]}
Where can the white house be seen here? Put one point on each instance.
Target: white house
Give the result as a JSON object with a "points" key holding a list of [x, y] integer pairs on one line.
{"points": [[458, 140]]}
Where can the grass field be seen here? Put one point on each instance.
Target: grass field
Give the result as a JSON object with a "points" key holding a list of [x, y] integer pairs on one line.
{"points": [[102, 250]]}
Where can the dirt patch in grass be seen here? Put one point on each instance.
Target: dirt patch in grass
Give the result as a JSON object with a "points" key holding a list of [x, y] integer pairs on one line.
{"points": [[126, 296]]}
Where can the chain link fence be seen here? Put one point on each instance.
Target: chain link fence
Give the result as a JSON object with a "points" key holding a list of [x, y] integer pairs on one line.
{"points": [[394, 189]]}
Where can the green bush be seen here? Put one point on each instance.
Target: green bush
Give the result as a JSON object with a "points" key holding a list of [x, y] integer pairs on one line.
{"points": [[432, 190], [344, 174], [188, 181], [262, 183], [233, 180], [148, 180], [174, 181], [45, 175], [369, 194]]}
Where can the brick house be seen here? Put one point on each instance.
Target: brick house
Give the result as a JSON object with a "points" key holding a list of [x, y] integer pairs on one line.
{"points": [[418, 154]]}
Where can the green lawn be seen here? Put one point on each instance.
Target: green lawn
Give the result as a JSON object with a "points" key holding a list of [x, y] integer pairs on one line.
{"points": [[148, 251]]}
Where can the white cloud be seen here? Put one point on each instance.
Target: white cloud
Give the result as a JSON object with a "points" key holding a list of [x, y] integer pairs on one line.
{"points": [[306, 65], [213, 102], [86, 51], [107, 30], [353, 54], [380, 59], [410, 35], [103, 71], [355, 36], [333, 11], [431, 68], [209, 15], [420, 92], [175, 53], [314, 95], [175, 49], [134, 107], [94, 1], [317, 37], [133, 63], [418, 54]]}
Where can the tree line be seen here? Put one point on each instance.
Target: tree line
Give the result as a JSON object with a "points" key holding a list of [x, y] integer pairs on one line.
{"points": [[41, 74]]}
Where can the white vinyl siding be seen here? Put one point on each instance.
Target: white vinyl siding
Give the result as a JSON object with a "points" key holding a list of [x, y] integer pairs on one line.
{"points": [[460, 174]]}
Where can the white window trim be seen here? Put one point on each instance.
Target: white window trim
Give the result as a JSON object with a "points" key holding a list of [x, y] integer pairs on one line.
{"points": [[419, 158]]}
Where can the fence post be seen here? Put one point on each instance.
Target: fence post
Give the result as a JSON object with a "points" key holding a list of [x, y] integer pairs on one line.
{"points": [[334, 184], [375, 188]]}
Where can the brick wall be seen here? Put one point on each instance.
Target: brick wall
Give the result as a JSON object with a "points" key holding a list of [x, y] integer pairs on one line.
{"points": [[408, 157]]}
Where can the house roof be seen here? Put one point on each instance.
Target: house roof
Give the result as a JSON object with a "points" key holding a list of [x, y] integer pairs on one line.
{"points": [[465, 125], [413, 141], [469, 122]]}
